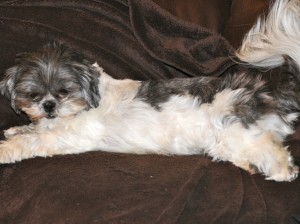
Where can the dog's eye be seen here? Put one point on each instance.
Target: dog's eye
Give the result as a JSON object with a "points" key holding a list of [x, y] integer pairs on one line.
{"points": [[63, 92], [34, 96]]}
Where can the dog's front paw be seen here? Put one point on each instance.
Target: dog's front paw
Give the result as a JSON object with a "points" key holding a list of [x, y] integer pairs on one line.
{"points": [[289, 174], [11, 132], [18, 130]]}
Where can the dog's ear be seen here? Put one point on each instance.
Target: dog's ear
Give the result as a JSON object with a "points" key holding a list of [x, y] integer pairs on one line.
{"points": [[89, 81], [7, 86], [8, 83], [86, 74]]}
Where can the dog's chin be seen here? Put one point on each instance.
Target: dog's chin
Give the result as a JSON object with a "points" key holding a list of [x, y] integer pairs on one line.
{"points": [[50, 116]]}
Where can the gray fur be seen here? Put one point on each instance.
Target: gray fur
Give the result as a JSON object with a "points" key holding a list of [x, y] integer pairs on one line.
{"points": [[258, 97], [157, 92], [56, 70]]}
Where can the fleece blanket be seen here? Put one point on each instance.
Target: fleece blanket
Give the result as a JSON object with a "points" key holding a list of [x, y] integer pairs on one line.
{"points": [[130, 39]]}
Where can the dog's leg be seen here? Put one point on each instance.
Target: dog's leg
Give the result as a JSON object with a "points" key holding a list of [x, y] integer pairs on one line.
{"points": [[254, 148], [44, 143], [24, 146], [273, 159]]}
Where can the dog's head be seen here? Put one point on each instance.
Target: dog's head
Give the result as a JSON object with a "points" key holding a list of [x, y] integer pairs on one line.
{"points": [[55, 81]]}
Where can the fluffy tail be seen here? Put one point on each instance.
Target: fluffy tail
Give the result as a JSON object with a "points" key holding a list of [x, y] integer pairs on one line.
{"points": [[274, 36]]}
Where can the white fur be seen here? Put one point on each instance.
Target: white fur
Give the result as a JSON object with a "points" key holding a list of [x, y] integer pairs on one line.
{"points": [[125, 124], [274, 36]]}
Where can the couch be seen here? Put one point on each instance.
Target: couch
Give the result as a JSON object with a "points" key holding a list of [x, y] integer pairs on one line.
{"points": [[138, 39]]}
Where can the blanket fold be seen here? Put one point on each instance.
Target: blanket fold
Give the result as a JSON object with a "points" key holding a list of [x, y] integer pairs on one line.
{"points": [[184, 46], [135, 40]]}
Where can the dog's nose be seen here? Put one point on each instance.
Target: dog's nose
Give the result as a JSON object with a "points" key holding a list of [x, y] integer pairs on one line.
{"points": [[49, 106]]}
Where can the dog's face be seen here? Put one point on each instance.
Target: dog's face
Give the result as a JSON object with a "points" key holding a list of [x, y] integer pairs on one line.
{"points": [[55, 81]]}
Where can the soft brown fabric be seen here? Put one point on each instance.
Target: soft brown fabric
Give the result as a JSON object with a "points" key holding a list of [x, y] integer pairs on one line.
{"points": [[243, 15], [230, 18], [211, 14], [136, 39], [98, 188], [191, 49]]}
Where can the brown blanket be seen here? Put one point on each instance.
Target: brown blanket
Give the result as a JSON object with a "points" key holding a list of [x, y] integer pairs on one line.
{"points": [[139, 40]]}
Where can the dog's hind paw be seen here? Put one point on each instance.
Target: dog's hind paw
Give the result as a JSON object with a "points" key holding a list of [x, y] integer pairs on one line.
{"points": [[289, 174]]}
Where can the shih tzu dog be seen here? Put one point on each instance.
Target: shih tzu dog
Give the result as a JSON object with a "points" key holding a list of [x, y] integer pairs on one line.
{"points": [[240, 117]]}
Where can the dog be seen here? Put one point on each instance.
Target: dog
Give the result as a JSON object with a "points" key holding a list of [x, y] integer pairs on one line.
{"points": [[240, 117]]}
